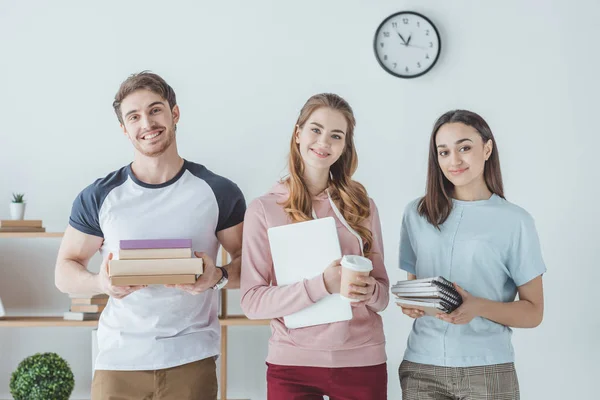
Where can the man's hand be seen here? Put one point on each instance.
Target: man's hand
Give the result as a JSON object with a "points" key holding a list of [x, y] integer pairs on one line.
{"points": [[210, 276], [118, 292]]}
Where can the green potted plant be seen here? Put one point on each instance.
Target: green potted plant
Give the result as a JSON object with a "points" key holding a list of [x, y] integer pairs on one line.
{"points": [[42, 376], [17, 207]]}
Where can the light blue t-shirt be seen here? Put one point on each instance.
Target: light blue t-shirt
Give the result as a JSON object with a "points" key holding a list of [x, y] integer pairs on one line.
{"points": [[489, 248]]}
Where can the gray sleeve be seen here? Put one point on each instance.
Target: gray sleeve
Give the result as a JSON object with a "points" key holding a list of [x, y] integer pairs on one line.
{"points": [[85, 210], [232, 205], [86, 207]]}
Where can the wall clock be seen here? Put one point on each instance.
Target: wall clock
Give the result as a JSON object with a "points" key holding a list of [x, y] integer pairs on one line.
{"points": [[407, 44]]}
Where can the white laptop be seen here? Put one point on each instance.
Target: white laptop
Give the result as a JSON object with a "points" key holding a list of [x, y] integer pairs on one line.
{"points": [[304, 250]]}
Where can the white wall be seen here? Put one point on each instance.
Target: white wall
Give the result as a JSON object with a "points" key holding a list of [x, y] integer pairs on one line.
{"points": [[241, 71]]}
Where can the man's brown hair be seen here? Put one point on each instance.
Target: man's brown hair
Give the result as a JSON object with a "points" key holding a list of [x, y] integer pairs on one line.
{"points": [[144, 80]]}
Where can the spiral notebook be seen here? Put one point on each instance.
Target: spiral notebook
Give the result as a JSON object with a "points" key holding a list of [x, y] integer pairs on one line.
{"points": [[302, 251], [431, 295]]}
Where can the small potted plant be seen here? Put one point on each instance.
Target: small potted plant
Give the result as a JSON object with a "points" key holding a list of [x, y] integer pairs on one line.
{"points": [[42, 376], [17, 207]]}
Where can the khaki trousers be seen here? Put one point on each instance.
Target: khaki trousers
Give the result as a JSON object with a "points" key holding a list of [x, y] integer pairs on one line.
{"points": [[193, 381]]}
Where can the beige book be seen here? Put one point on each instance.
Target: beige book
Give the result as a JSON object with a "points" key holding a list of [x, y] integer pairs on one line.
{"points": [[168, 266], [16, 223], [99, 300], [153, 279], [145, 254], [22, 229], [88, 308], [80, 316], [88, 296]]}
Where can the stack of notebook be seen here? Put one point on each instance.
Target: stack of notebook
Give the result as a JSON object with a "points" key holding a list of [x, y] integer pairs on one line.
{"points": [[86, 307], [21, 225], [431, 295], [155, 262]]}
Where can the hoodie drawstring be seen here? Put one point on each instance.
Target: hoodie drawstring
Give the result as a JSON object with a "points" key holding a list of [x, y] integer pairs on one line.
{"points": [[338, 214]]}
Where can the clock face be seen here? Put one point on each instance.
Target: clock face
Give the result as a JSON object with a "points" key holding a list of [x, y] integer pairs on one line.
{"points": [[407, 44]]}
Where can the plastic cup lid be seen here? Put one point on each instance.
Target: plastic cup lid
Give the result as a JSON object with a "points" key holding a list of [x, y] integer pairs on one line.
{"points": [[357, 263]]}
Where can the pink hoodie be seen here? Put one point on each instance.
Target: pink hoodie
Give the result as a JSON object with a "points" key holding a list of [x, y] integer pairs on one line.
{"points": [[355, 343]]}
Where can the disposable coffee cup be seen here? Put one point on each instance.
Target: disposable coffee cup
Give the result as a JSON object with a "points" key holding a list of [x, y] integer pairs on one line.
{"points": [[353, 267]]}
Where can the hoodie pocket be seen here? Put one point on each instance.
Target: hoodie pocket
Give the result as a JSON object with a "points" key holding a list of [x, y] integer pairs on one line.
{"points": [[321, 337], [365, 326]]}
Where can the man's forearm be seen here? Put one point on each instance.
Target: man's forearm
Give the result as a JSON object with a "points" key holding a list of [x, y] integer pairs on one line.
{"points": [[233, 271], [73, 277]]}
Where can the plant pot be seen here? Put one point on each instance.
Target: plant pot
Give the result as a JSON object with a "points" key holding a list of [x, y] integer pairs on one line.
{"points": [[17, 210]]}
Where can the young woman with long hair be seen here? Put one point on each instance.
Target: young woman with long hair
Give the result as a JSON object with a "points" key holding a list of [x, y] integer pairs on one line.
{"points": [[466, 231], [343, 360]]}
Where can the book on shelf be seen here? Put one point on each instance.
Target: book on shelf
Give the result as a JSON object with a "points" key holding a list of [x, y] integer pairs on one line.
{"points": [[164, 279], [21, 223], [88, 308], [81, 316], [22, 229], [88, 296], [89, 301]]}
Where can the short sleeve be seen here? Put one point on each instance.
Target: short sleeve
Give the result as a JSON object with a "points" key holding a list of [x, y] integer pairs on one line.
{"points": [[408, 257], [232, 205], [85, 210], [525, 260]]}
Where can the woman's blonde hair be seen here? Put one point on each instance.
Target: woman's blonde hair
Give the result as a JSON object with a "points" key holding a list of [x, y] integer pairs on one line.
{"points": [[349, 196]]}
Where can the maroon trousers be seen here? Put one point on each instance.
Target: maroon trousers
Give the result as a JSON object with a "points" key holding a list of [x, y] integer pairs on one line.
{"points": [[312, 383]]}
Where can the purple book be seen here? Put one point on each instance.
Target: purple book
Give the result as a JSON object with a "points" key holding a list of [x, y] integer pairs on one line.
{"points": [[156, 244]]}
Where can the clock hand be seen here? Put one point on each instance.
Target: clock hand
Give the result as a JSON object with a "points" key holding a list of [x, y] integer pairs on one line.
{"points": [[403, 41], [408, 41], [418, 47]]}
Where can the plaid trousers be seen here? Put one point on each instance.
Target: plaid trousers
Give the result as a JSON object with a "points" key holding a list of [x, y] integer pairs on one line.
{"points": [[486, 382]]}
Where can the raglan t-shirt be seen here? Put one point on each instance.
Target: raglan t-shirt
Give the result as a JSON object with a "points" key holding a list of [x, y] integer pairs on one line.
{"points": [[158, 327]]}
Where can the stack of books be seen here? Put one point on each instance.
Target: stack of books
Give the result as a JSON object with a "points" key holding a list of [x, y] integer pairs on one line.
{"points": [[86, 307], [21, 225], [430, 295], [155, 262]]}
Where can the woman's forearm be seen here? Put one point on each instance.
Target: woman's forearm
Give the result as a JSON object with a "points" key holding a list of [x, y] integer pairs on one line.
{"points": [[516, 314]]}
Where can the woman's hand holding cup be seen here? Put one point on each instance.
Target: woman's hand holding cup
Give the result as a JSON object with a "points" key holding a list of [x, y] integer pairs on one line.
{"points": [[357, 286], [332, 277]]}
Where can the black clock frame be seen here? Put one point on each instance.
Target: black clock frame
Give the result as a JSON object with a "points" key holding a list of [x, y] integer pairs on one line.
{"points": [[392, 72]]}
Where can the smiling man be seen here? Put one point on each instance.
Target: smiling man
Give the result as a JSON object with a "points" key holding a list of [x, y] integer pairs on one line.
{"points": [[154, 342]]}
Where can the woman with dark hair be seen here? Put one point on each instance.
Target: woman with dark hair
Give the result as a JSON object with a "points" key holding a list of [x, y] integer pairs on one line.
{"points": [[466, 231]]}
